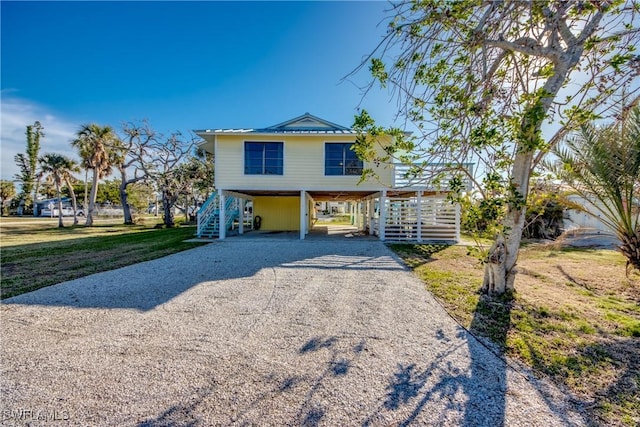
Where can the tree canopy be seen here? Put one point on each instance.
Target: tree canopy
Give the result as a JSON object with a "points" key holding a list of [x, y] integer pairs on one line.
{"points": [[94, 144], [28, 164], [58, 168], [7, 192], [498, 83], [134, 160]]}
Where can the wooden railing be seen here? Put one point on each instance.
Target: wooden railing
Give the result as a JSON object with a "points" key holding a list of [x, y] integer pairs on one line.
{"points": [[430, 177], [417, 219]]}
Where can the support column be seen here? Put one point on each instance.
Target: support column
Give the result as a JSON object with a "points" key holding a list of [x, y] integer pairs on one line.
{"points": [[364, 207], [383, 215], [370, 214], [198, 226], [241, 215], [222, 217], [311, 212], [457, 222], [352, 213], [419, 216], [303, 214], [434, 211]]}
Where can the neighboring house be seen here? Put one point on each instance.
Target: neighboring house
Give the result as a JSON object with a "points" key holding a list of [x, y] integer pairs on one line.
{"points": [[285, 169], [46, 207], [328, 208], [581, 219], [589, 218]]}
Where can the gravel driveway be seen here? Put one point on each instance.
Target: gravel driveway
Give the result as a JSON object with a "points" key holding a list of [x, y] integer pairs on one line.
{"points": [[257, 332]]}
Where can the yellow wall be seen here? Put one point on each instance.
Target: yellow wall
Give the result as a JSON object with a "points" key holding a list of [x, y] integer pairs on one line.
{"points": [[278, 213], [303, 165]]}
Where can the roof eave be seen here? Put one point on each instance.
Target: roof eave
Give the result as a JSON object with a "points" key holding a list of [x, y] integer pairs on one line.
{"points": [[286, 133], [309, 116]]}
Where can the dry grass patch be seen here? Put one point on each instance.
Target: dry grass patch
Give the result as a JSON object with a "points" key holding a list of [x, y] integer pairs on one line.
{"points": [[575, 317]]}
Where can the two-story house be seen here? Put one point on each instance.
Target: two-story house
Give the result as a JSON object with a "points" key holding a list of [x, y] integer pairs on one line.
{"points": [[286, 168]]}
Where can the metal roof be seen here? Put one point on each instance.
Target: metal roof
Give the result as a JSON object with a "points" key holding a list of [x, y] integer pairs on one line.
{"points": [[218, 131], [306, 124]]}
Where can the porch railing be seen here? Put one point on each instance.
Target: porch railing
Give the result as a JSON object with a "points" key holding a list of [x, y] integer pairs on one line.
{"points": [[430, 177]]}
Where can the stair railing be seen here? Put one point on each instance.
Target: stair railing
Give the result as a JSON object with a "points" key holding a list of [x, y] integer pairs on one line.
{"points": [[207, 211], [231, 211]]}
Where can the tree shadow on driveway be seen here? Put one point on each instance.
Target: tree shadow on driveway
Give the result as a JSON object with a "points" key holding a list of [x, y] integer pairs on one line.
{"points": [[150, 284], [474, 391], [448, 392]]}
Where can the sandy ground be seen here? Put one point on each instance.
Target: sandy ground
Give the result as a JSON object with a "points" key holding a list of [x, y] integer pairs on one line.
{"points": [[257, 332]]}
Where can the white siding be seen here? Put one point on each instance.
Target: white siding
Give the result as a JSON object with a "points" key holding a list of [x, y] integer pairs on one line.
{"points": [[590, 221], [303, 166]]}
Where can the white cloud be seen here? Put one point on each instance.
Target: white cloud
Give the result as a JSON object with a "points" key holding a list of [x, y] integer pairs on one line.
{"points": [[17, 113]]}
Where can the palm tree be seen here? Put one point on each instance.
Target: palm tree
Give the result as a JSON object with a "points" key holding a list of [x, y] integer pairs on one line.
{"points": [[93, 142], [53, 165], [66, 173], [603, 164]]}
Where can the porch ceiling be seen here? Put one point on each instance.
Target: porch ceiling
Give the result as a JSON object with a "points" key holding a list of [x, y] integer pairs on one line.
{"points": [[339, 196], [320, 196]]}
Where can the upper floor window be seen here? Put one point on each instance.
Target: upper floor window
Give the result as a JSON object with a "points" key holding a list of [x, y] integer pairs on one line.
{"points": [[339, 159], [263, 158]]}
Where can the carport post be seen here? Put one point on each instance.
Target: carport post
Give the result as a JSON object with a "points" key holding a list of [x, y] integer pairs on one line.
{"points": [[241, 212], [370, 213], [457, 222], [352, 215], [419, 216], [382, 221], [222, 226], [303, 213], [355, 214]]}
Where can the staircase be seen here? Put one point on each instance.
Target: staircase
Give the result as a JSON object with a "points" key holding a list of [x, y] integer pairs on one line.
{"points": [[209, 215]]}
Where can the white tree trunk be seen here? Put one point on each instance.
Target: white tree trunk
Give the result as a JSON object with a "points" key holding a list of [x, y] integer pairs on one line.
{"points": [[494, 270], [500, 269], [74, 201], [85, 204], [124, 197], [92, 198], [57, 182]]}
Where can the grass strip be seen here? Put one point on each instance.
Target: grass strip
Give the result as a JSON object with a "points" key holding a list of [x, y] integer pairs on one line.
{"points": [[43, 261]]}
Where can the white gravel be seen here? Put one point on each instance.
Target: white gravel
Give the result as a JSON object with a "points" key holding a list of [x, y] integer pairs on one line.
{"points": [[257, 332]]}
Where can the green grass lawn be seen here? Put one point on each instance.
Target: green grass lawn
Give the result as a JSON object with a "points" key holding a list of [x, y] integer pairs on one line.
{"points": [[575, 317], [36, 254]]}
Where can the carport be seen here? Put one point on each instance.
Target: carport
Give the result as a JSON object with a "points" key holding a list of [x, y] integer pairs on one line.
{"points": [[415, 215]]}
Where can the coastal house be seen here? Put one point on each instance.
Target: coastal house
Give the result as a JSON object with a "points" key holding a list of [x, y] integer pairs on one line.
{"points": [[285, 169]]}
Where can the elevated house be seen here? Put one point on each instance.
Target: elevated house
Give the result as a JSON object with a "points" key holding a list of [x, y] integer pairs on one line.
{"points": [[285, 169]]}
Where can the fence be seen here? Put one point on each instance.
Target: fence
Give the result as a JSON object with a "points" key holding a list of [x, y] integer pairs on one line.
{"points": [[416, 219]]}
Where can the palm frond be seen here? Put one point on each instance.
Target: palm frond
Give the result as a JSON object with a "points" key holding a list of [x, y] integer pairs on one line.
{"points": [[602, 164]]}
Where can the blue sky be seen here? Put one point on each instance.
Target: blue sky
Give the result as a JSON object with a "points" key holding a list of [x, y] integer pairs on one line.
{"points": [[182, 66]]}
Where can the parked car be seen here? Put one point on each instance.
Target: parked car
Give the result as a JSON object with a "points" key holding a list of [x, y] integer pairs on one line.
{"points": [[66, 211]]}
